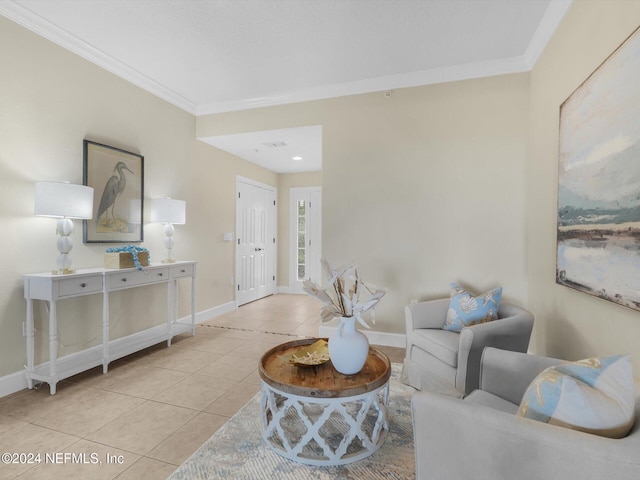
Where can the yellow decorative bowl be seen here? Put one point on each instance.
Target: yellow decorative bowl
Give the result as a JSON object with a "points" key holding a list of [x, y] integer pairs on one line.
{"points": [[309, 355]]}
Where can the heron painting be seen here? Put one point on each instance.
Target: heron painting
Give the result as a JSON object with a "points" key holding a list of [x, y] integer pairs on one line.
{"points": [[114, 188], [117, 179]]}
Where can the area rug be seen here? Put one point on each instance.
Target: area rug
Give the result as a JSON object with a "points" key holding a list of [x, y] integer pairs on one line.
{"points": [[237, 451]]}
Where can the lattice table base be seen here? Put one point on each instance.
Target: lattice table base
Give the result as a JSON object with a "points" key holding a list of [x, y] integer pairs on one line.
{"points": [[324, 431]]}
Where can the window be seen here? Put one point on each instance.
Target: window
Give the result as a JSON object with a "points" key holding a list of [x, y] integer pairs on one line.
{"points": [[301, 239]]}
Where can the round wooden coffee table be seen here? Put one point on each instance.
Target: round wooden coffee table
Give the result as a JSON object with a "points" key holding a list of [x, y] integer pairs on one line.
{"points": [[317, 416]]}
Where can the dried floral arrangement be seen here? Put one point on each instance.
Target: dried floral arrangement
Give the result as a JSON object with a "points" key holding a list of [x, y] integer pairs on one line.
{"points": [[342, 297]]}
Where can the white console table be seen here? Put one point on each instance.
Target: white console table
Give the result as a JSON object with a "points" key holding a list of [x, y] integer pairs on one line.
{"points": [[51, 288]]}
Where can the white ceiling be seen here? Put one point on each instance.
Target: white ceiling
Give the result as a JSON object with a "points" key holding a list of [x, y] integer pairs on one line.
{"points": [[210, 56], [275, 149]]}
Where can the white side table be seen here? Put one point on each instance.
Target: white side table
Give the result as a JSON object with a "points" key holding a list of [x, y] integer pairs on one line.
{"points": [[52, 288], [317, 416]]}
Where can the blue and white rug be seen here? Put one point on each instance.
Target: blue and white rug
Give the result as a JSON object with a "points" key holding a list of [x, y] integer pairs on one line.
{"points": [[237, 451]]}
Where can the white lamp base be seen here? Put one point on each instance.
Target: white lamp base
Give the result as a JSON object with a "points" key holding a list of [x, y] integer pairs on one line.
{"points": [[66, 271], [168, 242], [64, 229]]}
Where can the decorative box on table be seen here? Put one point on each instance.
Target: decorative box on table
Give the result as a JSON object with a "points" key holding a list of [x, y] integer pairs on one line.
{"points": [[125, 260]]}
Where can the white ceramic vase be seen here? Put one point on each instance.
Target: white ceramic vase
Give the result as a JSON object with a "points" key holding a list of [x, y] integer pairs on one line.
{"points": [[348, 348]]}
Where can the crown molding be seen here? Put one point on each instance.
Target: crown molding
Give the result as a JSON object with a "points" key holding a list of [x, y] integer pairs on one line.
{"points": [[550, 21], [28, 19], [553, 16], [413, 79]]}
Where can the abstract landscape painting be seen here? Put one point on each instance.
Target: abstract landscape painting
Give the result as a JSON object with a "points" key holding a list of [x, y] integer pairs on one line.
{"points": [[599, 181]]}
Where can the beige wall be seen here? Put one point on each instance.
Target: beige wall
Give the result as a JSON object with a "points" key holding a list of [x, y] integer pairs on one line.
{"points": [[50, 100], [420, 189], [213, 174], [570, 324]]}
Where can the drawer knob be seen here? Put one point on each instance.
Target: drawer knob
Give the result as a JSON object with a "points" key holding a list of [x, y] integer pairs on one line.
{"points": [[83, 285], [183, 271], [124, 279], [160, 274]]}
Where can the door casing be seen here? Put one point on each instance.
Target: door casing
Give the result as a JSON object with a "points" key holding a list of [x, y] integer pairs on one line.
{"points": [[255, 245]]}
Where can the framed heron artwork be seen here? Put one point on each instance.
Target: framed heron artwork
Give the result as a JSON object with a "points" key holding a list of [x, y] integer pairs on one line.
{"points": [[117, 178]]}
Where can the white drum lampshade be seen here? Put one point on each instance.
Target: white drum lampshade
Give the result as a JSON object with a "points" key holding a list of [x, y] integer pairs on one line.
{"points": [[168, 211], [65, 201]]}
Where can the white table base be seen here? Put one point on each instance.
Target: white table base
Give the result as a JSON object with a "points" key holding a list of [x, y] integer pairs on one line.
{"points": [[324, 431], [53, 288]]}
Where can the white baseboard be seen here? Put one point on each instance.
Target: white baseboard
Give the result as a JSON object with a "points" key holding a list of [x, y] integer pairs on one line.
{"points": [[79, 361], [14, 382], [213, 312], [375, 338]]}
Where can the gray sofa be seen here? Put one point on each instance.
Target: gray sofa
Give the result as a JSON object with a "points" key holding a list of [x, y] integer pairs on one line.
{"points": [[447, 362], [480, 437]]}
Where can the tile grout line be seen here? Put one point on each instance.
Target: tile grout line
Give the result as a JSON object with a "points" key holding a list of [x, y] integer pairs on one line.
{"points": [[253, 330]]}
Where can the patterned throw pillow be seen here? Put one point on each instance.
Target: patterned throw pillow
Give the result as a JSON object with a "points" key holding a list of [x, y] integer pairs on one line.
{"points": [[595, 395], [466, 309]]}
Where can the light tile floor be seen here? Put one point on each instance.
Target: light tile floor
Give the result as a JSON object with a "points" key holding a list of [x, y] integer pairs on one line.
{"points": [[156, 407]]}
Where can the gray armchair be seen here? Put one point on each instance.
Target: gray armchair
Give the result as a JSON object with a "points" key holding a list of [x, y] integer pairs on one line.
{"points": [[448, 362], [480, 437]]}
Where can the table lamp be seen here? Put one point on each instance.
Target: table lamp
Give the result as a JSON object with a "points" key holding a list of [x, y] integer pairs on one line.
{"points": [[169, 212], [64, 201]]}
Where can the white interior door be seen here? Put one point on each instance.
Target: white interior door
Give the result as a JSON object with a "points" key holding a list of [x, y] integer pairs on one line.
{"points": [[305, 221], [255, 240]]}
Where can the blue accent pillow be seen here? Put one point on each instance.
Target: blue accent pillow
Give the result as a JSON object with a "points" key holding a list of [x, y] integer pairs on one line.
{"points": [[595, 395], [466, 309]]}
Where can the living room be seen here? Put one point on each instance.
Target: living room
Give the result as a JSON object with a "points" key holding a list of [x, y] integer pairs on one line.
{"points": [[453, 181]]}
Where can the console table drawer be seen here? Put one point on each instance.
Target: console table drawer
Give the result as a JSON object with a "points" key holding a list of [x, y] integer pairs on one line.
{"points": [[131, 278], [178, 271], [80, 285]]}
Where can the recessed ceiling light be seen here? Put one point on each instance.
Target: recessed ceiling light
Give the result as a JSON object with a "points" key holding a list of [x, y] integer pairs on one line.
{"points": [[297, 157]]}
